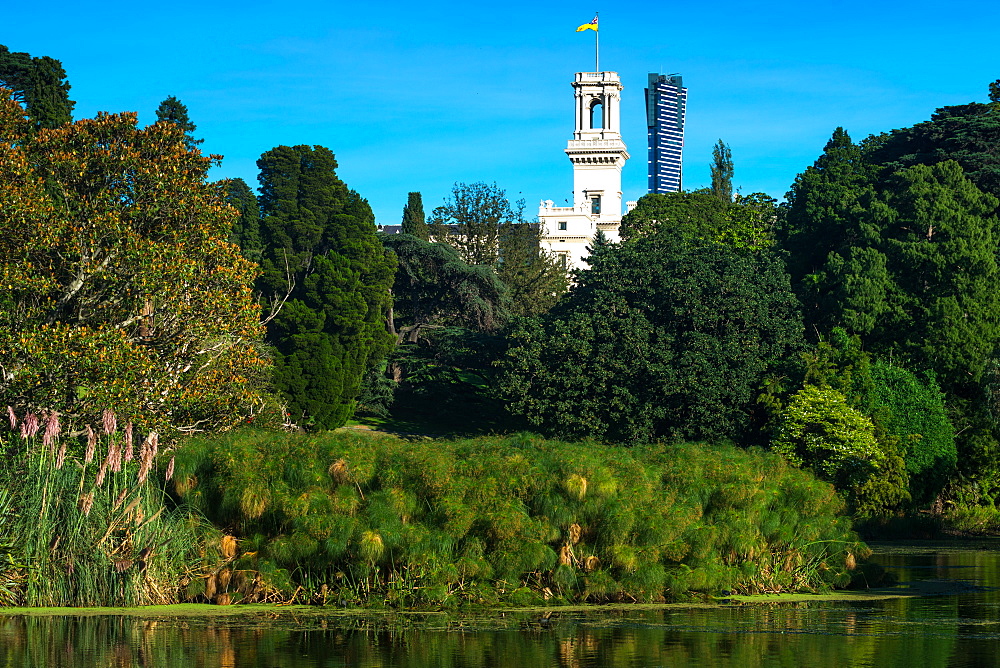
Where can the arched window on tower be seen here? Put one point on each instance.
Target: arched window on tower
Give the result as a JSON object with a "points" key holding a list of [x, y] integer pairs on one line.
{"points": [[597, 114]]}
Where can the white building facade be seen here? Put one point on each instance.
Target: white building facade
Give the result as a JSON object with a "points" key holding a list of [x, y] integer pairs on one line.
{"points": [[597, 154]]}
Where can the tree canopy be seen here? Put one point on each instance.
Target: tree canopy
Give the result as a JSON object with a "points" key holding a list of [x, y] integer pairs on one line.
{"points": [[481, 224], [38, 83], [246, 227], [702, 216], [322, 257], [120, 289], [172, 110], [661, 336], [722, 172]]}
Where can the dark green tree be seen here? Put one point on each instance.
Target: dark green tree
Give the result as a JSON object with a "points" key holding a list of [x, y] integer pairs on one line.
{"points": [[39, 84], [413, 217], [172, 110], [824, 205], [435, 288], [321, 256], [940, 244], [722, 172], [246, 228], [967, 133], [660, 337]]}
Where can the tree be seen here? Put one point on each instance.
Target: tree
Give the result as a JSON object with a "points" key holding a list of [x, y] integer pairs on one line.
{"points": [[172, 110], [413, 217], [474, 220], [908, 411], [38, 83], [480, 223], [722, 172], [660, 337], [322, 256], [821, 431], [246, 227], [747, 222], [966, 133], [822, 215], [434, 288], [120, 289]]}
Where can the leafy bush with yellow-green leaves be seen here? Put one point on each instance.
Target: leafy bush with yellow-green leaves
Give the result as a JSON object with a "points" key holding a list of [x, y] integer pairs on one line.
{"points": [[357, 518]]}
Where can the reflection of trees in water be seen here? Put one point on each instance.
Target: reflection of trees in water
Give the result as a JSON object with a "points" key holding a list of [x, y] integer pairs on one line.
{"points": [[893, 633]]}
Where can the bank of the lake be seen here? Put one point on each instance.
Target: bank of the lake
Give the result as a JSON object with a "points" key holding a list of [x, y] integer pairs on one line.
{"points": [[358, 519], [944, 612]]}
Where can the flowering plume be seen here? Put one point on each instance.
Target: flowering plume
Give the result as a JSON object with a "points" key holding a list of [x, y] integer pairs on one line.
{"points": [[129, 450], [29, 426], [88, 456], [51, 429], [12, 417], [110, 421]]}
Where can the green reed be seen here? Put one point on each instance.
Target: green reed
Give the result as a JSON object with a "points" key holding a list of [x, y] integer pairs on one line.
{"points": [[91, 526]]}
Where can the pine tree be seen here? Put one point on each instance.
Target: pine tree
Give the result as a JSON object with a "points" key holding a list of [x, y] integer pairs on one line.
{"points": [[320, 250], [246, 228], [38, 83], [413, 217], [172, 110], [722, 172]]}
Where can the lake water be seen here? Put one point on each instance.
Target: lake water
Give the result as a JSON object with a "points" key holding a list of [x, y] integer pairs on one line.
{"points": [[950, 629]]}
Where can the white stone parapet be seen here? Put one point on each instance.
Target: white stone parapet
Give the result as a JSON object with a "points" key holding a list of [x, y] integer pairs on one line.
{"points": [[579, 144], [597, 76]]}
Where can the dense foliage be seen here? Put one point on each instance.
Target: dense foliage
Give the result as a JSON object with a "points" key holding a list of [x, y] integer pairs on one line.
{"points": [[895, 241], [481, 224], [661, 336], [414, 221], [39, 84], [702, 216], [322, 262], [119, 287], [172, 110], [362, 518]]}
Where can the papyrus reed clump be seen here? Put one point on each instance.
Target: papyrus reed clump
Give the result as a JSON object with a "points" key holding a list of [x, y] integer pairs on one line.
{"points": [[344, 517], [89, 525]]}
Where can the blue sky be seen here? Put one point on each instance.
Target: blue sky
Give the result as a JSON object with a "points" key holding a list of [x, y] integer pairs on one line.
{"points": [[417, 96]]}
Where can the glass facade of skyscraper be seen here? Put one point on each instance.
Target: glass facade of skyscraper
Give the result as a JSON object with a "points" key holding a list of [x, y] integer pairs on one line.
{"points": [[666, 102]]}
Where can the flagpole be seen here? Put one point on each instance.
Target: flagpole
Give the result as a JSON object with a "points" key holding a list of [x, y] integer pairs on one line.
{"points": [[597, 45]]}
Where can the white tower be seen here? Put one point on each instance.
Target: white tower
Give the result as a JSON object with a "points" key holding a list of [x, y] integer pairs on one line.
{"points": [[598, 154]]}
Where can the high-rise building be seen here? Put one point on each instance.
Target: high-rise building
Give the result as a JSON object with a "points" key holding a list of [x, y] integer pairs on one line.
{"points": [[666, 102], [597, 154]]}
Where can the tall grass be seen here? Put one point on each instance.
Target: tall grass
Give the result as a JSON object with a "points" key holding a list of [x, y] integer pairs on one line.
{"points": [[359, 518], [88, 524]]}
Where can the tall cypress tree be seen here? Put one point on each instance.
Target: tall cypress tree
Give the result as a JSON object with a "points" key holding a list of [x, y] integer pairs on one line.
{"points": [[320, 250], [413, 217], [174, 111], [38, 83], [722, 172]]}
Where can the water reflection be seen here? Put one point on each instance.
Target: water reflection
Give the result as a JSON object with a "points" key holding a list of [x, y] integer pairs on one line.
{"points": [[951, 630]]}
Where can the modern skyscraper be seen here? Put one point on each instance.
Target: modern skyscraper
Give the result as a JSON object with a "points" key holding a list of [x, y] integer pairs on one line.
{"points": [[666, 102]]}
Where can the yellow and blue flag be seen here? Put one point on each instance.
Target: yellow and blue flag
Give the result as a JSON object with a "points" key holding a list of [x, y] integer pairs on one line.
{"points": [[588, 26]]}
